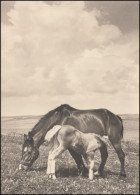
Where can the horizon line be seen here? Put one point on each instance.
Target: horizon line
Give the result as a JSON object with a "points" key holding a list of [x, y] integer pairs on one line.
{"points": [[44, 114]]}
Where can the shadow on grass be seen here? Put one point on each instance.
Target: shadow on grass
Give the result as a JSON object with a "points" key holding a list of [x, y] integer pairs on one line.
{"points": [[67, 172], [38, 169], [73, 172], [108, 173], [62, 172]]}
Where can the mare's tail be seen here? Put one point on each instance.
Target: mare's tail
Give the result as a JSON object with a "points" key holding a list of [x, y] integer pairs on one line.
{"points": [[52, 132], [122, 126]]}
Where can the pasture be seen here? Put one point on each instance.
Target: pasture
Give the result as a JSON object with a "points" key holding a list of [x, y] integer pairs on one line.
{"points": [[35, 181]]}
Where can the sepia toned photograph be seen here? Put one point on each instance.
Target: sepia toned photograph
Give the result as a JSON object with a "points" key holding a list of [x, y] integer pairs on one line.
{"points": [[69, 97]]}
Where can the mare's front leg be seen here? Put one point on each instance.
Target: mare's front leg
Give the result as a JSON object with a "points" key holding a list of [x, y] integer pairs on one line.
{"points": [[51, 161], [80, 164]]}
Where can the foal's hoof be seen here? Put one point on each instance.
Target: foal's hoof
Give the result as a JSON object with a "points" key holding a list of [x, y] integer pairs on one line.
{"points": [[51, 176], [98, 173], [91, 179]]}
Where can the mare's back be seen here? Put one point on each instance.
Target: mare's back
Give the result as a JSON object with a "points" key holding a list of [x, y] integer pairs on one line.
{"points": [[88, 121]]}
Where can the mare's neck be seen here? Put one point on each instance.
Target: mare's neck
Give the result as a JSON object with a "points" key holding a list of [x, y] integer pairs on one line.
{"points": [[39, 136]]}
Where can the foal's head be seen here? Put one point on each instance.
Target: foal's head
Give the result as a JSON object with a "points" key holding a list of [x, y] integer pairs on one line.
{"points": [[30, 152]]}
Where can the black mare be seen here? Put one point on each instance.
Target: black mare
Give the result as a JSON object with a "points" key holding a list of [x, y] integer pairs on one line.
{"points": [[99, 121]]}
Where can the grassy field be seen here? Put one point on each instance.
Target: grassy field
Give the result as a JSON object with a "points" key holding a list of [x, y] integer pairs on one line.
{"points": [[35, 181]]}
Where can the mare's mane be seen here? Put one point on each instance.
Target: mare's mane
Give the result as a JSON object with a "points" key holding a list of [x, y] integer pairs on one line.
{"points": [[49, 117]]}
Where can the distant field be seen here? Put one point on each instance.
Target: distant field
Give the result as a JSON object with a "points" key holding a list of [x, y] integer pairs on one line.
{"points": [[22, 124], [35, 181], [18, 124]]}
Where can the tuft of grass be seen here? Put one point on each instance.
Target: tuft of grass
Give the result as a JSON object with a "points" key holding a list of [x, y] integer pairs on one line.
{"points": [[35, 181]]}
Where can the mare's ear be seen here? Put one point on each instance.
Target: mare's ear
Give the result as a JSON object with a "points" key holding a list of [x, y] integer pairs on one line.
{"points": [[25, 137], [29, 137], [29, 134]]}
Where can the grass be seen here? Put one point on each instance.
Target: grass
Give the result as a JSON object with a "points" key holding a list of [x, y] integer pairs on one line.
{"points": [[35, 181]]}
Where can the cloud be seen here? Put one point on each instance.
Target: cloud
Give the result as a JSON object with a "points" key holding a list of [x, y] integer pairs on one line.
{"points": [[124, 14], [108, 69], [62, 49]]}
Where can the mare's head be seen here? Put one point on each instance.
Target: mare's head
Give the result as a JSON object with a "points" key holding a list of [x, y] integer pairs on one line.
{"points": [[30, 152]]}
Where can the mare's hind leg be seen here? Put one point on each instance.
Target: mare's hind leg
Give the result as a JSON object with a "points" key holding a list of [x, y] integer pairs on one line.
{"points": [[104, 155], [121, 156], [79, 161]]}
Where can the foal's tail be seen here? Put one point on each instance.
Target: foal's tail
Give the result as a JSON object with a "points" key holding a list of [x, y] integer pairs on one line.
{"points": [[52, 132], [103, 140], [122, 126]]}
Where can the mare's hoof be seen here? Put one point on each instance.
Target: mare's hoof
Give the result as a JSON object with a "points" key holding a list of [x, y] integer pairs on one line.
{"points": [[79, 172], [122, 174], [82, 172]]}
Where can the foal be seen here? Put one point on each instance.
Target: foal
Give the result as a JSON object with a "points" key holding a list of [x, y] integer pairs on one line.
{"points": [[63, 137]]}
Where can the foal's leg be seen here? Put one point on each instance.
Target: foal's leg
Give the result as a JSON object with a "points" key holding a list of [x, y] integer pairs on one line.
{"points": [[91, 166], [53, 155], [89, 157], [53, 169], [48, 165], [104, 155], [79, 161]]}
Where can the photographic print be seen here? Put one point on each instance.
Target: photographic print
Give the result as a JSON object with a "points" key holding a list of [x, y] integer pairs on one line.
{"points": [[69, 97]]}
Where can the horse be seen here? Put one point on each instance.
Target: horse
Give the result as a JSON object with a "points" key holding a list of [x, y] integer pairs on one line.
{"points": [[64, 137], [99, 121]]}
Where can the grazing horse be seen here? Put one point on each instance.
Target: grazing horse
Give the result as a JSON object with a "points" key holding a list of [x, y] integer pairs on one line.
{"points": [[98, 121], [64, 137]]}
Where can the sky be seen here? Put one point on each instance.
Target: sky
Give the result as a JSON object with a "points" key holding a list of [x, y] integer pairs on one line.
{"points": [[85, 54]]}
